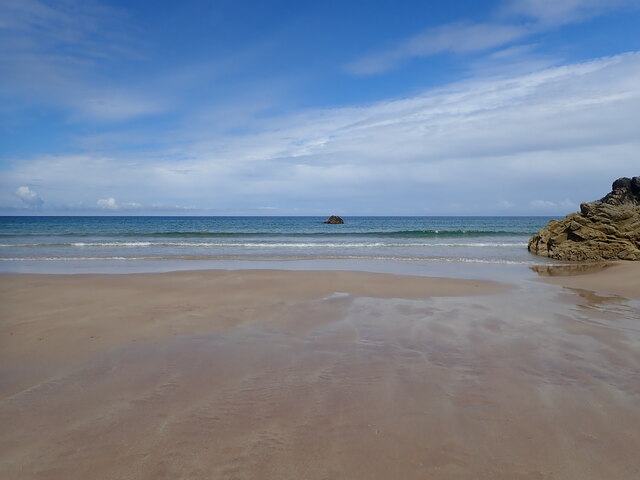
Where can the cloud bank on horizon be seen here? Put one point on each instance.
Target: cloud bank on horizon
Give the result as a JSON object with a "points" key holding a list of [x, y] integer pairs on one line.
{"points": [[514, 107]]}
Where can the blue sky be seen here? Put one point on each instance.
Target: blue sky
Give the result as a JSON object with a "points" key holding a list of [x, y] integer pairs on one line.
{"points": [[458, 107]]}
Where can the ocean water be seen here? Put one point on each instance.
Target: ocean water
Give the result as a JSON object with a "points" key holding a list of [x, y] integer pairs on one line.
{"points": [[43, 240]]}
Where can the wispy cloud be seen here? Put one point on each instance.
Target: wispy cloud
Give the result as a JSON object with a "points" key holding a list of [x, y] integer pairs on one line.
{"points": [[475, 143], [57, 53], [552, 13], [548, 204], [111, 203], [515, 21], [455, 38]]}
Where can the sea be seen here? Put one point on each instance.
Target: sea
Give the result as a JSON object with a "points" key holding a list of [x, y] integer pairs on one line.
{"points": [[44, 244]]}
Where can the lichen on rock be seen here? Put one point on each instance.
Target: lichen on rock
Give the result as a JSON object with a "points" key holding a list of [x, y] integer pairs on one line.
{"points": [[607, 229]]}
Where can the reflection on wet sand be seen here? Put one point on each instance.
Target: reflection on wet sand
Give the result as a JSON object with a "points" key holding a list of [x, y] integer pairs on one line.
{"points": [[592, 298], [563, 270], [523, 384], [616, 278]]}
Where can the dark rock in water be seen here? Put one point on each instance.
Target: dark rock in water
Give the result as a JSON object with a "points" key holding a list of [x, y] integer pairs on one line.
{"points": [[334, 219], [607, 229]]}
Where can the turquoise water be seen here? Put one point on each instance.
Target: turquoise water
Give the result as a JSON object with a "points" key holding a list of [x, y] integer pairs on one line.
{"points": [[86, 239]]}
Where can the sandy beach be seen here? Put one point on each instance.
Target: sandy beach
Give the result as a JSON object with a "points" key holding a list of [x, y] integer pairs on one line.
{"points": [[617, 278], [314, 375]]}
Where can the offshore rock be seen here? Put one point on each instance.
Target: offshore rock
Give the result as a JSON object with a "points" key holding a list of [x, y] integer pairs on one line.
{"points": [[334, 219], [607, 229]]}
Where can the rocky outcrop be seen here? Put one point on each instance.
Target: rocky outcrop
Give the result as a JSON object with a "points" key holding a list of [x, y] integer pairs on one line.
{"points": [[607, 229], [334, 219]]}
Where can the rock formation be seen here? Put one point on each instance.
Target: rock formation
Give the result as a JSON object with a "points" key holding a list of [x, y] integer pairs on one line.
{"points": [[334, 219], [607, 229]]}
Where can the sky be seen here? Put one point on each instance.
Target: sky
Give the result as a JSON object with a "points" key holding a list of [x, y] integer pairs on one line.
{"points": [[233, 107]]}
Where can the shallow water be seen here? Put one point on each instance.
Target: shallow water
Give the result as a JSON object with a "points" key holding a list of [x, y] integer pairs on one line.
{"points": [[40, 241]]}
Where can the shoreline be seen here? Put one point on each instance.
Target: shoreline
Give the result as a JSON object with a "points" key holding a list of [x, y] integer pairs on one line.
{"points": [[614, 277], [129, 266]]}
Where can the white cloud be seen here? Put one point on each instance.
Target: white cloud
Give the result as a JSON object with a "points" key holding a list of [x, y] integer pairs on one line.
{"points": [[549, 204], [108, 203], [540, 15], [558, 12], [456, 38], [29, 197], [55, 54], [564, 131], [542, 204]]}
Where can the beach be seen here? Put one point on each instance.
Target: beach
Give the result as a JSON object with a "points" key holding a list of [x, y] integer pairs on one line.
{"points": [[317, 374], [319, 240]]}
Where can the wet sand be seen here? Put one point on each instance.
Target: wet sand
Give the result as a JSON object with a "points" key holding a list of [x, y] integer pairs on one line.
{"points": [[620, 278], [314, 375]]}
